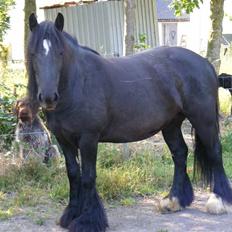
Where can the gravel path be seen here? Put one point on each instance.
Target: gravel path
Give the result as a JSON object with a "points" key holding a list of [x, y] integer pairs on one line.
{"points": [[141, 217]]}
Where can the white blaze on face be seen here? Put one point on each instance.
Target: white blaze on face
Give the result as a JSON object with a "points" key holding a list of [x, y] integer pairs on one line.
{"points": [[46, 45]]}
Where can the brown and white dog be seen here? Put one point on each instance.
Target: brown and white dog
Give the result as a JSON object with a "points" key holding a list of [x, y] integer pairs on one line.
{"points": [[31, 135]]}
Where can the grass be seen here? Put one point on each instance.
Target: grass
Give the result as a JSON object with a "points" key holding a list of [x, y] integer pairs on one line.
{"points": [[33, 183], [141, 175], [227, 149]]}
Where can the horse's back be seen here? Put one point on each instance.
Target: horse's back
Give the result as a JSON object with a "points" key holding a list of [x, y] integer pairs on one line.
{"points": [[149, 89], [166, 71], [169, 62], [176, 69]]}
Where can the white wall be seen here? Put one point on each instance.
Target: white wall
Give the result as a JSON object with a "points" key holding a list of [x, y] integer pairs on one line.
{"points": [[15, 35], [196, 30], [227, 23], [199, 28], [201, 25], [183, 31]]}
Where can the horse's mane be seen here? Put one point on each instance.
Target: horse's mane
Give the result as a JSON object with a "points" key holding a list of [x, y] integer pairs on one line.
{"points": [[74, 41]]}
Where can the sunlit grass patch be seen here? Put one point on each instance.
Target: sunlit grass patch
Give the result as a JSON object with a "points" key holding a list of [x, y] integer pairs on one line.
{"points": [[128, 201], [6, 214], [143, 174]]}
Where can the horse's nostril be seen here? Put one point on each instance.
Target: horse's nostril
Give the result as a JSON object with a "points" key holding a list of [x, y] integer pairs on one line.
{"points": [[40, 97]]}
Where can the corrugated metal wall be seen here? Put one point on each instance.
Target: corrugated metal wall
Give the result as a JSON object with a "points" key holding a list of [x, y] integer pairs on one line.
{"points": [[100, 25]]}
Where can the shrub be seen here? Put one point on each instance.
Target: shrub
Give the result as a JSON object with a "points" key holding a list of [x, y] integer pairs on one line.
{"points": [[11, 88], [4, 50], [224, 101], [141, 43], [7, 119]]}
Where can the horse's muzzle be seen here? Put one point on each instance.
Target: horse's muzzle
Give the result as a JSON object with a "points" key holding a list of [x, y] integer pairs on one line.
{"points": [[48, 102]]}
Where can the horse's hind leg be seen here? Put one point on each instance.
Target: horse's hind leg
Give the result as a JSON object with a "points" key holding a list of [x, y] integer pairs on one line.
{"points": [[181, 193], [209, 160]]}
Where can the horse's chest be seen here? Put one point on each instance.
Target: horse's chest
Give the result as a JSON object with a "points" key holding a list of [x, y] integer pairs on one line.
{"points": [[63, 126]]}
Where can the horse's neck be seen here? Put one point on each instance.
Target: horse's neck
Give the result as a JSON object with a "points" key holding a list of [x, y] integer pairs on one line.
{"points": [[82, 64]]}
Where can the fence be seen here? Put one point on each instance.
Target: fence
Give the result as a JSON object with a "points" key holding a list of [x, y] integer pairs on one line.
{"points": [[100, 25]]}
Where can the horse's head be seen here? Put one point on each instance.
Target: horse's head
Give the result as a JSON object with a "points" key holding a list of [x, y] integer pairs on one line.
{"points": [[45, 58]]}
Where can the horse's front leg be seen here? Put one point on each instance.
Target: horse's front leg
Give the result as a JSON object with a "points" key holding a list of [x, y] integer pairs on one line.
{"points": [[72, 211], [93, 217]]}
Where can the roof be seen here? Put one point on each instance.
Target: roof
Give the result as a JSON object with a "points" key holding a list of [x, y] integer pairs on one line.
{"points": [[165, 14], [59, 4]]}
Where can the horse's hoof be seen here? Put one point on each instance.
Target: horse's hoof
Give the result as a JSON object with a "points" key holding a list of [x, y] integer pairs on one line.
{"points": [[85, 224], [70, 213], [167, 205], [215, 205]]}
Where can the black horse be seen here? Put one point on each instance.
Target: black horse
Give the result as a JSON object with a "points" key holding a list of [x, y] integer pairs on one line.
{"points": [[90, 99]]}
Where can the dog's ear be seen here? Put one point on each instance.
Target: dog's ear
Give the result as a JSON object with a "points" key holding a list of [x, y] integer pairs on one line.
{"points": [[15, 109]]}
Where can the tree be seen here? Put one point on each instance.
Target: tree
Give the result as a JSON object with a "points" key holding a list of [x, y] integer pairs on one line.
{"points": [[4, 17], [217, 13], [214, 42], [29, 7], [129, 26], [187, 5]]}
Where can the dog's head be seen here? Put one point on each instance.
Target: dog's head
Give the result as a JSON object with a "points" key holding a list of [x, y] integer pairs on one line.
{"points": [[25, 111]]}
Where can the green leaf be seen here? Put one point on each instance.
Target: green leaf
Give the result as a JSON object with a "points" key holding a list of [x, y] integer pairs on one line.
{"points": [[187, 6]]}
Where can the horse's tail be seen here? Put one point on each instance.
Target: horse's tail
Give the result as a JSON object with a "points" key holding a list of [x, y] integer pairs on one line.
{"points": [[202, 164], [202, 168]]}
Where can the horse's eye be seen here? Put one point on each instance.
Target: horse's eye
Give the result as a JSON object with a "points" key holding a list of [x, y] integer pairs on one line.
{"points": [[61, 53]]}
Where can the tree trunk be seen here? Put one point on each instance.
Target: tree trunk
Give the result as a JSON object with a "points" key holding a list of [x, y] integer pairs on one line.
{"points": [[29, 7], [129, 26], [214, 42]]}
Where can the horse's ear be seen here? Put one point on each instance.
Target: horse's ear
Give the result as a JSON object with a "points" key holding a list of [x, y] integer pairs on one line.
{"points": [[32, 22], [59, 23]]}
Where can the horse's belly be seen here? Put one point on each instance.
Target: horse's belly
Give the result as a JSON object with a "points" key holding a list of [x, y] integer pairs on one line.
{"points": [[126, 137], [135, 129]]}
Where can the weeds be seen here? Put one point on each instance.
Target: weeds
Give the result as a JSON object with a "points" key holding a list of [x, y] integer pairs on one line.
{"points": [[32, 183]]}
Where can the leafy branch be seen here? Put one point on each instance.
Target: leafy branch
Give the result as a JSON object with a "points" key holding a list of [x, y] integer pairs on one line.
{"points": [[184, 5]]}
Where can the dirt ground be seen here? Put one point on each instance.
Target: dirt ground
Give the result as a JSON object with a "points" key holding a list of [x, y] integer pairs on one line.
{"points": [[141, 217]]}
